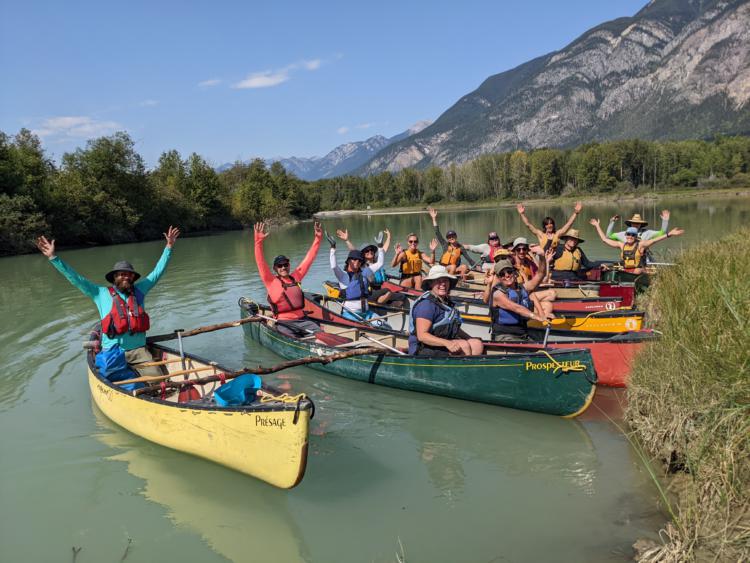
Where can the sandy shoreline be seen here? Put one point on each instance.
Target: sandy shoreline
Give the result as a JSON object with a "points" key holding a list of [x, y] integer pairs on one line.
{"points": [[599, 199]]}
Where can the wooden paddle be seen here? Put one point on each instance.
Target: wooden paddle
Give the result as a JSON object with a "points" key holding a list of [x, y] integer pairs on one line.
{"points": [[260, 370]]}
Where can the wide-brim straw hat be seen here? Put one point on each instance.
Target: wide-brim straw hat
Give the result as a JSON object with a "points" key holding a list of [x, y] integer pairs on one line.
{"points": [[439, 272], [636, 218], [121, 266], [572, 233]]}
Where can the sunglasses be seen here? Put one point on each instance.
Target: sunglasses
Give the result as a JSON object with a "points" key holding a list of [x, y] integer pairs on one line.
{"points": [[282, 265], [493, 238], [507, 272], [412, 241], [522, 248]]}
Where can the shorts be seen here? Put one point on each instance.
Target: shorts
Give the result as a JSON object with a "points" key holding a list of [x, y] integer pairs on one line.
{"points": [[298, 328], [432, 351], [509, 333], [141, 355]]}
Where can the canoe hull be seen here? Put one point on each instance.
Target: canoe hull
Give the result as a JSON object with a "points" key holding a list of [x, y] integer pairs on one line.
{"points": [[267, 444], [523, 381], [612, 356]]}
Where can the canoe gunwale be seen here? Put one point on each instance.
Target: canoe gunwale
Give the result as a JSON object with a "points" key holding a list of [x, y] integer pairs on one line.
{"points": [[303, 405]]}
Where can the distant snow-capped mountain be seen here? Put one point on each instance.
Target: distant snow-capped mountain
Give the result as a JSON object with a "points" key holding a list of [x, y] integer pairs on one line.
{"points": [[340, 161]]}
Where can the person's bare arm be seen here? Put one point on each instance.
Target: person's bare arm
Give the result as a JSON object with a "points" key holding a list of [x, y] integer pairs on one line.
{"points": [[423, 335], [343, 234], [387, 243], [522, 212], [398, 255], [502, 301], [673, 233], [537, 278], [566, 227], [605, 240]]}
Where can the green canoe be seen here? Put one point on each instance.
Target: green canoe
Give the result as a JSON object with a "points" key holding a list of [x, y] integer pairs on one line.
{"points": [[559, 382]]}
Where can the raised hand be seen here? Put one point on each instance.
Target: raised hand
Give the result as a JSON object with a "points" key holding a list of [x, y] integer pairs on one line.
{"points": [[594, 222], [549, 255], [330, 239], [521, 208], [171, 235], [433, 212], [398, 248], [665, 214], [578, 207], [433, 244], [614, 218], [260, 230], [46, 247], [343, 234], [676, 232], [317, 229]]}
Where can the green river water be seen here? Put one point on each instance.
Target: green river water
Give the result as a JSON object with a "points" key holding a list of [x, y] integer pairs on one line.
{"points": [[436, 479]]}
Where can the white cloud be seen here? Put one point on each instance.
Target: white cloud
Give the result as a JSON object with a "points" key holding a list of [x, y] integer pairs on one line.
{"points": [[209, 83], [148, 103], [342, 130], [264, 79], [269, 78], [82, 127], [312, 65], [365, 125]]}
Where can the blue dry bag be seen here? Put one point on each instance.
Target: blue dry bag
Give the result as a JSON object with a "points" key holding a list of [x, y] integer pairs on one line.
{"points": [[113, 366], [240, 391]]}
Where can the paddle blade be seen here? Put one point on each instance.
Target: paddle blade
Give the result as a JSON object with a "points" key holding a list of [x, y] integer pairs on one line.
{"points": [[332, 340]]}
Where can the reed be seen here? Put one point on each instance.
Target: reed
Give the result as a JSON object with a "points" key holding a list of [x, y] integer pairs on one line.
{"points": [[689, 401]]}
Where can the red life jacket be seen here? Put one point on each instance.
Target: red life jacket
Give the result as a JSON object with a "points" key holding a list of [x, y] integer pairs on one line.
{"points": [[292, 297], [125, 316]]}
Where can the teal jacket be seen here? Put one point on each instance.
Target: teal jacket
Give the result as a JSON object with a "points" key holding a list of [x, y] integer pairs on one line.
{"points": [[103, 300]]}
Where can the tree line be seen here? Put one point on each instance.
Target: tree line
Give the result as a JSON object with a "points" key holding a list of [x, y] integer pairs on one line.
{"points": [[103, 193]]}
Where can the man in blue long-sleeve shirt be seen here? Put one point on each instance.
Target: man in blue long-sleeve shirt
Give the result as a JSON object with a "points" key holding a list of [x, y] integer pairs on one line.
{"points": [[121, 305]]}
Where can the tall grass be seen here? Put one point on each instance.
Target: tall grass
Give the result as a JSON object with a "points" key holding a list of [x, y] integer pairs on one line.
{"points": [[689, 400]]}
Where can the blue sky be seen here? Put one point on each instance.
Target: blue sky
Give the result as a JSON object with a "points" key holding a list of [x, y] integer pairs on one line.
{"points": [[232, 80]]}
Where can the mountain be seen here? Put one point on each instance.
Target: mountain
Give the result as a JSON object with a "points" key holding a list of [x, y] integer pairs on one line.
{"points": [[340, 161], [677, 69]]}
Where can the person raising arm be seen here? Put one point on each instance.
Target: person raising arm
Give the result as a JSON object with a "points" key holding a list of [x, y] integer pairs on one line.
{"points": [[633, 251]]}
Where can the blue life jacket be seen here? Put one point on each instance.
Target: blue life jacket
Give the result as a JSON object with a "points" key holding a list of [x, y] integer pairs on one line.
{"points": [[502, 316], [445, 327], [379, 278], [358, 288]]}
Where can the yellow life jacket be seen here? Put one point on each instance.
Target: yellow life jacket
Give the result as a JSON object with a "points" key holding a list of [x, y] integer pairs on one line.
{"points": [[451, 256], [631, 256], [413, 263], [569, 261], [547, 243]]}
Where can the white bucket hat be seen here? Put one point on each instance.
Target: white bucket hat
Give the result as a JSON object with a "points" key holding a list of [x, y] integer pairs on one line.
{"points": [[437, 272]]}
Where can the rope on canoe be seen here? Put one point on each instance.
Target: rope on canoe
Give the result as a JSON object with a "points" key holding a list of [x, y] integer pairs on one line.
{"points": [[561, 367], [283, 398], [603, 311]]}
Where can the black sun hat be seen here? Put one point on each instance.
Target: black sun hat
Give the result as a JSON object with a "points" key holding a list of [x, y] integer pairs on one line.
{"points": [[121, 266]]}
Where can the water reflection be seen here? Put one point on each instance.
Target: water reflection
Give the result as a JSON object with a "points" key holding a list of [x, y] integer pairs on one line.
{"points": [[239, 518]]}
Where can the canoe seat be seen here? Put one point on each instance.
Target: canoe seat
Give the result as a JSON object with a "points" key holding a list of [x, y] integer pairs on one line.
{"points": [[331, 339]]}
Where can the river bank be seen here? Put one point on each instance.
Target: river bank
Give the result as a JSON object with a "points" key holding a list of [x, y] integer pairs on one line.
{"points": [[586, 199], [689, 403]]}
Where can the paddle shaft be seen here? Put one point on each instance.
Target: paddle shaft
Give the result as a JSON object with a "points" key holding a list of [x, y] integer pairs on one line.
{"points": [[260, 370], [199, 330]]}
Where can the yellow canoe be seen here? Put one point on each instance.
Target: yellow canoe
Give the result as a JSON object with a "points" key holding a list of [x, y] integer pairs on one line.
{"points": [[267, 440], [604, 321]]}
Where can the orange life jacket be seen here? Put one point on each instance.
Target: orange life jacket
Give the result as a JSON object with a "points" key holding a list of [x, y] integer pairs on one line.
{"points": [[452, 256]]}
